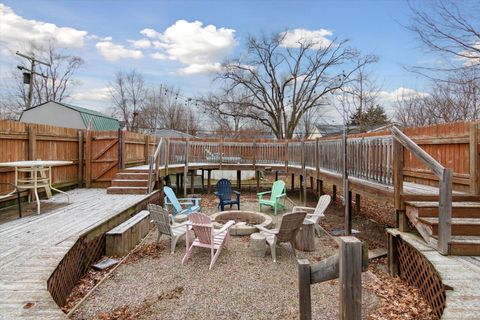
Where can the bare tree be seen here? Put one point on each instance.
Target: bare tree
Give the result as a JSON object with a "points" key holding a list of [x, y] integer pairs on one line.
{"points": [[456, 99], [166, 108], [226, 112], [284, 83], [128, 93], [450, 30], [56, 86]]}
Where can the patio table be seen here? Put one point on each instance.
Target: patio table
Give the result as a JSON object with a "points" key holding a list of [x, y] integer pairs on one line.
{"points": [[36, 174]]}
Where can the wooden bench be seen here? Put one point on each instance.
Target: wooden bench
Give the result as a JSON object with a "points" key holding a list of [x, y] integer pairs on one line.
{"points": [[124, 237]]}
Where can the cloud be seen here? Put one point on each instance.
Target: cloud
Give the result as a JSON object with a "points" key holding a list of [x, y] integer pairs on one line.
{"points": [[16, 31], [96, 94], [114, 52], [158, 56], [399, 93], [201, 68], [141, 44], [293, 38], [200, 48]]}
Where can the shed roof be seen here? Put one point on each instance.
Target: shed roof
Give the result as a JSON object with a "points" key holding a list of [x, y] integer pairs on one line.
{"points": [[100, 121]]}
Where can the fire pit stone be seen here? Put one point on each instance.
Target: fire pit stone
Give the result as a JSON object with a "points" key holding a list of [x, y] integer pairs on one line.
{"points": [[245, 221]]}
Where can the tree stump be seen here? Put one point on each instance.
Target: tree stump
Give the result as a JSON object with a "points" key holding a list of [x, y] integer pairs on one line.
{"points": [[257, 245], [305, 240]]}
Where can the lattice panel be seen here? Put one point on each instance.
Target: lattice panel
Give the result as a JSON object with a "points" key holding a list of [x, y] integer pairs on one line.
{"points": [[417, 271], [73, 266]]}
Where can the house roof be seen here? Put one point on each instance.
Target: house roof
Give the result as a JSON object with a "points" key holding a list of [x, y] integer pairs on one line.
{"points": [[99, 121], [171, 133]]}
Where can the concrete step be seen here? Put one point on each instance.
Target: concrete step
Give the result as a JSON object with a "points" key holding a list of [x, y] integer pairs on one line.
{"points": [[460, 226], [459, 209], [129, 183], [127, 190]]}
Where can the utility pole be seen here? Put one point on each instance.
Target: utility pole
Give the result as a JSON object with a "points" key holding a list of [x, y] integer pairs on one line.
{"points": [[29, 75]]}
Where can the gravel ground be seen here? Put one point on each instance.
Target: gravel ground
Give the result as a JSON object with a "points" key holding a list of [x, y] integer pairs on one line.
{"points": [[158, 286]]}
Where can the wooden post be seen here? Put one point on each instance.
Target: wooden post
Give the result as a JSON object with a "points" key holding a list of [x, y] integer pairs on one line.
{"points": [[357, 203], [88, 159], [123, 149], [350, 278], [239, 179], [286, 156], [146, 149], [334, 192], [445, 212], [317, 158], [80, 158], [192, 181], [392, 255], [276, 175], [257, 174], [203, 180], [402, 219], [293, 182], [474, 159], [177, 182], [32, 143], [254, 155], [300, 178], [304, 294], [321, 188], [348, 211], [185, 169], [304, 173], [209, 181]]}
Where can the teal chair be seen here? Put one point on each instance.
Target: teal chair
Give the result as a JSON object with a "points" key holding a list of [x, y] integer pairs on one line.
{"points": [[183, 206], [277, 197]]}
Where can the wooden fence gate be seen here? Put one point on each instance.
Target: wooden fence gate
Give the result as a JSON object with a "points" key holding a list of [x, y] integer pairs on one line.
{"points": [[102, 155]]}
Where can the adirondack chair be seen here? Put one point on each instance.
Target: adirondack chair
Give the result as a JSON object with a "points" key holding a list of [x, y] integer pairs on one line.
{"points": [[206, 236], [162, 219], [224, 194], [277, 196], [184, 206], [291, 223], [318, 211]]}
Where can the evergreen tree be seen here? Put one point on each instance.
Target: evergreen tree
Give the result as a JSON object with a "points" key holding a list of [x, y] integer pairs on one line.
{"points": [[374, 116]]}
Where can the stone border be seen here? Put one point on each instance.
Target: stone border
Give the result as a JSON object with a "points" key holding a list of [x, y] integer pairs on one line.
{"points": [[241, 229]]}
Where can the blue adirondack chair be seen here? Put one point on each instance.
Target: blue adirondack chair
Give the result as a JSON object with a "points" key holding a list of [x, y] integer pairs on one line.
{"points": [[180, 206], [224, 194]]}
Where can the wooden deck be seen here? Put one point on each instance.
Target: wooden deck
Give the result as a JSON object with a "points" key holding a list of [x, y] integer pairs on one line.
{"points": [[32, 247]]}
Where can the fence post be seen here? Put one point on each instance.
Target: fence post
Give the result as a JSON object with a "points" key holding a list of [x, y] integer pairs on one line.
{"points": [[286, 155], [474, 159], [146, 149], [317, 158], [80, 158], [304, 294], [255, 155], [32, 143], [304, 173], [185, 170], [350, 278], [88, 159], [398, 186]]}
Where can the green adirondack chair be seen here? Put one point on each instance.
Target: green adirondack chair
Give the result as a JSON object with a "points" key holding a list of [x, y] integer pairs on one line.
{"points": [[277, 197]]}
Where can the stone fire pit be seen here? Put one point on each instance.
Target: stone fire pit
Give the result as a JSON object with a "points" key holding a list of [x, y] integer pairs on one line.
{"points": [[245, 221]]}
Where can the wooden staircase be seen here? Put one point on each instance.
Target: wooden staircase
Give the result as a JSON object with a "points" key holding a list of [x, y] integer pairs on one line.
{"points": [[129, 181], [465, 225]]}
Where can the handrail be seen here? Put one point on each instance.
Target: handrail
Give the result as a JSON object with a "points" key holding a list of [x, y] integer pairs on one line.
{"points": [[153, 163], [445, 188]]}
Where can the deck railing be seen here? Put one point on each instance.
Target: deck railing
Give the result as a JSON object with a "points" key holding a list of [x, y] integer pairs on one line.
{"points": [[445, 184], [154, 164]]}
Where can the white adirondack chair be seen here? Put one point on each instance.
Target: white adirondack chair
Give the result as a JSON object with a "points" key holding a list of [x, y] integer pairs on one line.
{"points": [[206, 236], [163, 220], [291, 223], [318, 211]]}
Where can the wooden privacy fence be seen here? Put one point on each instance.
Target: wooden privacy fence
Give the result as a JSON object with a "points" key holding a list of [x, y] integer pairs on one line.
{"points": [[98, 155]]}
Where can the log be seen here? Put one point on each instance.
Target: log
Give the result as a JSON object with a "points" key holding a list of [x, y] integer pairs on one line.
{"points": [[305, 239], [257, 245]]}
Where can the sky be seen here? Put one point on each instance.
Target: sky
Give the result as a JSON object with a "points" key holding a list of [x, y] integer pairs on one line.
{"points": [[183, 43]]}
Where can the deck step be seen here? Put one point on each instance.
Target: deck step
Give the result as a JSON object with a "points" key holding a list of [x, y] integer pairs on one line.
{"points": [[132, 176], [460, 226], [459, 209], [127, 190], [134, 171], [129, 183], [465, 245]]}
